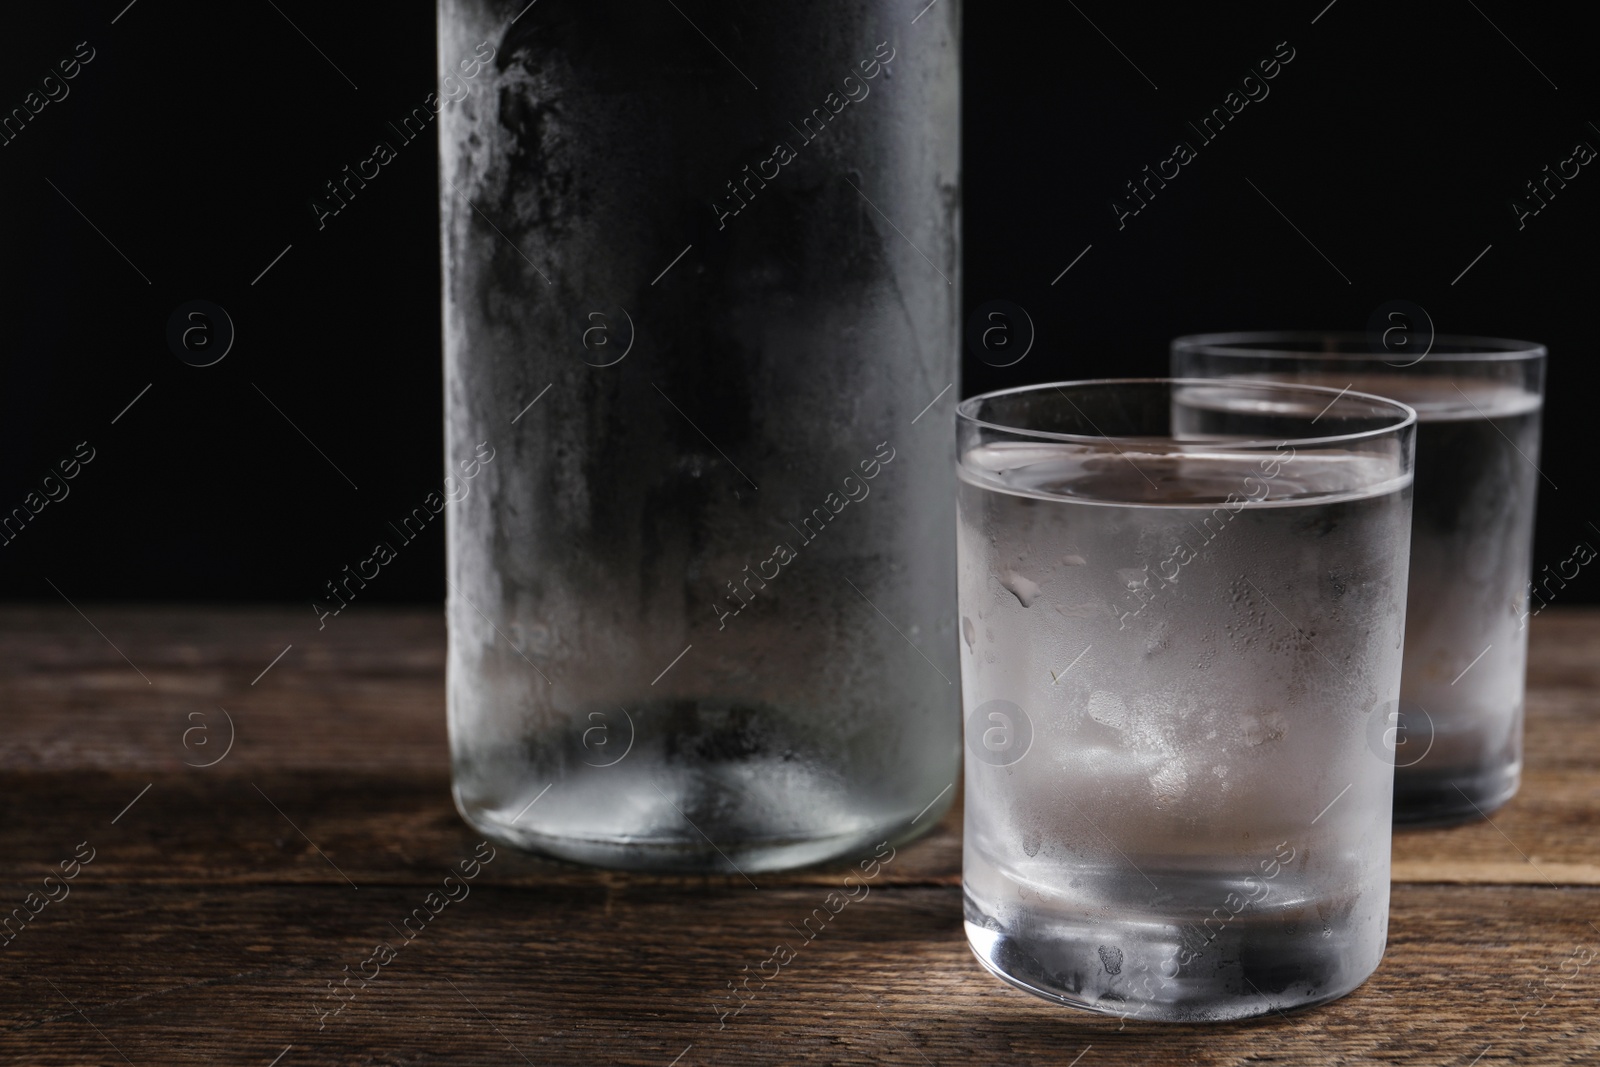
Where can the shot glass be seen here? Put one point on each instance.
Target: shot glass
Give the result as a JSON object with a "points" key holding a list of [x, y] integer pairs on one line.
{"points": [[1180, 603], [1457, 732]]}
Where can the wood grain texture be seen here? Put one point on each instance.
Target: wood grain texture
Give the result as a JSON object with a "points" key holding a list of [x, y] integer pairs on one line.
{"points": [[356, 711], [633, 974], [221, 903]]}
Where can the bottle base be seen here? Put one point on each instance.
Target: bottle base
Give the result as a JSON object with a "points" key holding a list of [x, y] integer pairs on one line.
{"points": [[703, 785], [635, 841]]}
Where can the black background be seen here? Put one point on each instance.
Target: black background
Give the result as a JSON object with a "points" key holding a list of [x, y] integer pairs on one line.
{"points": [[1395, 141]]}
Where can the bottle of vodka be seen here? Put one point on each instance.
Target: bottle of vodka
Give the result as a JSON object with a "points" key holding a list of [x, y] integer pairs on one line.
{"points": [[701, 298]]}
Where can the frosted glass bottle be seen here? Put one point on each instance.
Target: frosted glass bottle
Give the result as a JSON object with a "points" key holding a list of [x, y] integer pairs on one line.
{"points": [[701, 301]]}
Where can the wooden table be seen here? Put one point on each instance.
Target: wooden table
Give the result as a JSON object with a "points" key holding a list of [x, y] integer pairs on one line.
{"points": [[222, 901]]}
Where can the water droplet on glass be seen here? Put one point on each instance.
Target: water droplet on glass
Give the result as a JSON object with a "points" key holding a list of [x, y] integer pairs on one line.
{"points": [[1024, 589]]}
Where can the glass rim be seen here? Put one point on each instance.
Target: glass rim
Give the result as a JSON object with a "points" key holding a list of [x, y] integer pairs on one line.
{"points": [[1472, 349], [965, 413]]}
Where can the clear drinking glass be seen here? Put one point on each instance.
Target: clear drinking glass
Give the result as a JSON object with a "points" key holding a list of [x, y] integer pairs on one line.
{"points": [[1458, 727], [1181, 606], [695, 391]]}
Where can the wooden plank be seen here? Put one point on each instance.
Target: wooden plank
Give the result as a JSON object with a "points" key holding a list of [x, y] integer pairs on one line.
{"points": [[402, 828], [1562, 650], [356, 711], [635, 974], [317, 829], [207, 926], [367, 692]]}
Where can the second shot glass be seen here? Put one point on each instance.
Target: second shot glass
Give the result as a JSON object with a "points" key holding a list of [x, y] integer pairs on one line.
{"points": [[1181, 614], [1457, 729]]}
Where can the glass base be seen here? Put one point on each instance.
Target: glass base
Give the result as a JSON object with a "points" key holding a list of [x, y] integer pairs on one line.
{"points": [[1251, 971], [1450, 796], [730, 845]]}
